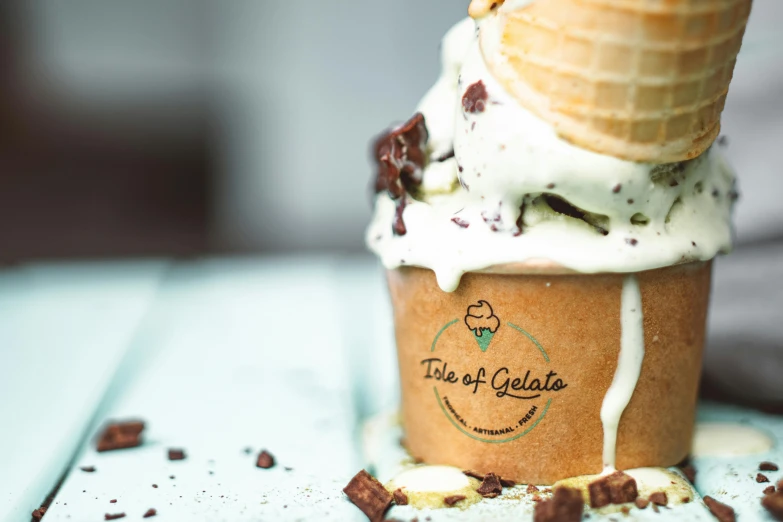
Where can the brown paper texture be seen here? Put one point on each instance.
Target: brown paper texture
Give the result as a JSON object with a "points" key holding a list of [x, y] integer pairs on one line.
{"points": [[523, 399]]}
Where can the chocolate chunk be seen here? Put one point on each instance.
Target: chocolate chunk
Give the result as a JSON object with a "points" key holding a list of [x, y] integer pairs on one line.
{"points": [[641, 503], [761, 478], [475, 98], [460, 222], [265, 460], [39, 513], [659, 498], [562, 206], [120, 435], [690, 473], [507, 483], [774, 504], [769, 490], [400, 498], [368, 495], [450, 501], [720, 510], [398, 225], [88, 469], [617, 488], [490, 487], [176, 454], [115, 516], [768, 466], [151, 512], [566, 505], [531, 489], [400, 157]]}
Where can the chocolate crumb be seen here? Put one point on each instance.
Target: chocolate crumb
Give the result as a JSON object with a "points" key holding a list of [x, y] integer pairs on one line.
{"points": [[460, 222], [720, 510], [674, 183], [39, 513], [115, 516], [617, 188], [537, 498], [450, 501], [617, 488], [641, 503], [690, 473], [120, 435], [265, 460], [768, 466], [400, 498], [659, 498], [693, 243], [686, 500], [506, 483], [630, 202], [490, 487], [446, 156], [550, 186], [715, 193], [88, 469], [368, 495], [566, 505], [475, 98], [769, 490], [150, 513], [172, 477], [176, 454], [774, 504], [625, 510], [113, 501], [531, 489], [723, 141], [761, 478], [632, 241], [155, 486], [248, 450]]}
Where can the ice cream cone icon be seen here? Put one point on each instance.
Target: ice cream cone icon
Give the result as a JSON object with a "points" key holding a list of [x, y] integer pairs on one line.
{"points": [[483, 322]]}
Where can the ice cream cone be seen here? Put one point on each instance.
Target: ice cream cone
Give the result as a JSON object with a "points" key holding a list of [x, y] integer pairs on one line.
{"points": [[642, 80], [526, 403]]}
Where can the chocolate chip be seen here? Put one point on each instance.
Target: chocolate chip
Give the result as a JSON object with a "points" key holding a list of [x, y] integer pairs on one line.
{"points": [[475, 98], [566, 505], [774, 504], [769, 490], [265, 460], [176, 454], [720, 510], [507, 483], [632, 241], [723, 141], [120, 435], [490, 487], [400, 157], [617, 188], [150, 513], [115, 516], [641, 503], [761, 478], [88, 469], [617, 488], [400, 498], [368, 495], [690, 473], [447, 156], [450, 501], [39, 513], [768, 466], [398, 225], [659, 498], [460, 222]]}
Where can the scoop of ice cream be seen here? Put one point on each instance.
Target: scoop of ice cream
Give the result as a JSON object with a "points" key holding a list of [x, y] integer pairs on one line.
{"points": [[514, 192], [480, 317]]}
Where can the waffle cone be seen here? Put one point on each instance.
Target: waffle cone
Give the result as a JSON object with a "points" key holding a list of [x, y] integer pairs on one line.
{"points": [[565, 324], [642, 80]]}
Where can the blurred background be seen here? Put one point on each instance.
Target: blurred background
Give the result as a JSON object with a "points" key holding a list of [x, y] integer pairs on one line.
{"points": [[182, 128]]}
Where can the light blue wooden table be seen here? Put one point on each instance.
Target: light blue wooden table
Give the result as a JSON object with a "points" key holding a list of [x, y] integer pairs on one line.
{"points": [[287, 354]]}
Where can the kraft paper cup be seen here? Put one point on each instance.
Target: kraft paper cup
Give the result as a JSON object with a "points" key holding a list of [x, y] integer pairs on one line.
{"points": [[523, 399]]}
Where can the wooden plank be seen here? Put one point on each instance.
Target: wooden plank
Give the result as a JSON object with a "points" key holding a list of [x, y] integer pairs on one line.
{"points": [[233, 354], [63, 330]]}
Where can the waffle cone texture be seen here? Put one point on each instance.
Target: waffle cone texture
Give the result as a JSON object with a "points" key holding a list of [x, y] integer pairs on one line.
{"points": [[641, 80]]}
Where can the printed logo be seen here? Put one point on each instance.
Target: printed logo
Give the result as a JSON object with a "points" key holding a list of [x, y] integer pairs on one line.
{"points": [[494, 396]]}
